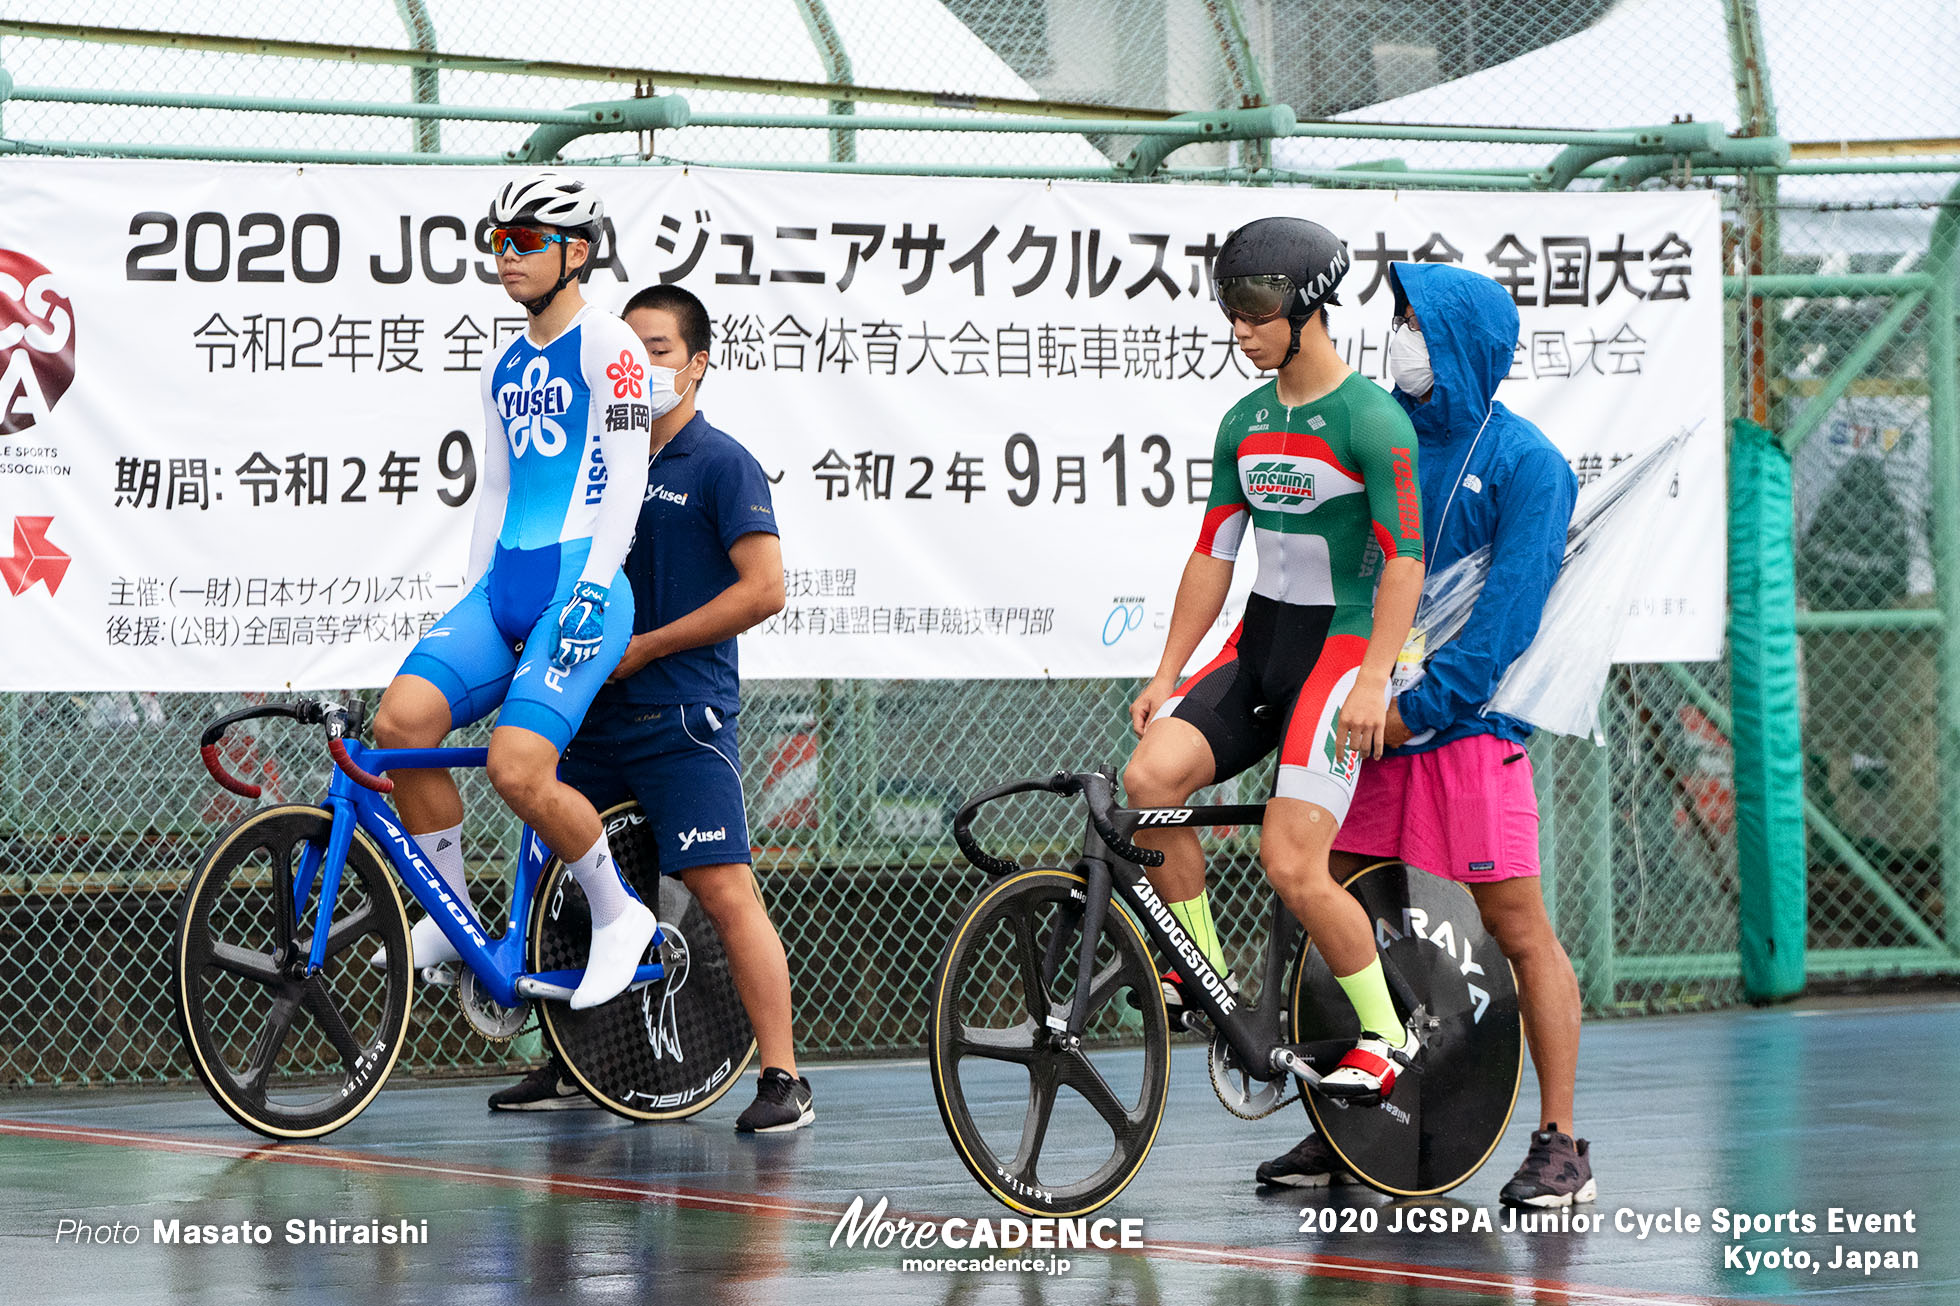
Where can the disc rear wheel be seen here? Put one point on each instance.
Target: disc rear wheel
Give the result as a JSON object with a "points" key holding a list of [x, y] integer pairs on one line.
{"points": [[1448, 1112], [672, 1048]]}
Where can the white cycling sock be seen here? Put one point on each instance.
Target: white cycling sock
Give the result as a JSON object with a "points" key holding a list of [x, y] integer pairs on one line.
{"points": [[605, 891], [443, 849]]}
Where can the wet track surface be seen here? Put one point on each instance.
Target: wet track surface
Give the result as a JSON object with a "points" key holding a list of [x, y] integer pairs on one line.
{"points": [[1841, 1104]]}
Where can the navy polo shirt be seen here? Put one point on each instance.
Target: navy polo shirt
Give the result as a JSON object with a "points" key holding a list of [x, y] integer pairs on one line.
{"points": [[704, 492]]}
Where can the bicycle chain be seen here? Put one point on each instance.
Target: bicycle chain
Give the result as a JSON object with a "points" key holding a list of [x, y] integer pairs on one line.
{"points": [[488, 1017], [1221, 1070]]}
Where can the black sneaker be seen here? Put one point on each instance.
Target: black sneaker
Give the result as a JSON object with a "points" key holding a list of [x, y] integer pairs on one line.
{"points": [[1557, 1171], [782, 1103], [548, 1088], [1311, 1164]]}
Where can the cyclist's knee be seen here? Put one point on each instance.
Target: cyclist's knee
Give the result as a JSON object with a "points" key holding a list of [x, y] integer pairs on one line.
{"points": [[1149, 782], [519, 780], [411, 719], [1296, 861]]}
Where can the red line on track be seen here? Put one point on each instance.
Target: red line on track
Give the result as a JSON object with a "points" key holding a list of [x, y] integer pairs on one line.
{"points": [[1481, 1282]]}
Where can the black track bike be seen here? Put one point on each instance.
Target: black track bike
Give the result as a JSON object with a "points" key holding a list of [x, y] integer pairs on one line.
{"points": [[1037, 998]]}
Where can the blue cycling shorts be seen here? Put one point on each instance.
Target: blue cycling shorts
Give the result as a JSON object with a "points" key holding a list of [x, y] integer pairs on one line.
{"points": [[682, 764], [494, 647]]}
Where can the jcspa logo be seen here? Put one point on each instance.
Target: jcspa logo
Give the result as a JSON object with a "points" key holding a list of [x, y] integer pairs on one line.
{"points": [[37, 342]]}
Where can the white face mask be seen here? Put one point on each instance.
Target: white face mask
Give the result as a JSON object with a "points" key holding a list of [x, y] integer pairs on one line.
{"points": [[660, 389], [1408, 362]]}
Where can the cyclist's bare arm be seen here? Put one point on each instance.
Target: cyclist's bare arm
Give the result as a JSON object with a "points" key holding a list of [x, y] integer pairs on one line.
{"points": [[1364, 717], [1200, 598]]}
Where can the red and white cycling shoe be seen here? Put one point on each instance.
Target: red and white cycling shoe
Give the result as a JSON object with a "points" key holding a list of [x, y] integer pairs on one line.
{"points": [[1369, 1069]]}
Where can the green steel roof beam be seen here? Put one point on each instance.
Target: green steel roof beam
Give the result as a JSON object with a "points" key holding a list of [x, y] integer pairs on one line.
{"points": [[1241, 70], [1623, 140], [896, 122], [1671, 139], [276, 104], [1817, 285], [837, 67], [235, 154], [1223, 125], [363, 54], [1869, 167], [1734, 154], [424, 85], [1329, 177], [639, 115]]}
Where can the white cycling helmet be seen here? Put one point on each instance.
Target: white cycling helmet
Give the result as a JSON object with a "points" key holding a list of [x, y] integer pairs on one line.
{"points": [[551, 199]]}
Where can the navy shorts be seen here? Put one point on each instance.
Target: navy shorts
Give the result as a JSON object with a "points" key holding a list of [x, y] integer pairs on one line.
{"points": [[681, 763]]}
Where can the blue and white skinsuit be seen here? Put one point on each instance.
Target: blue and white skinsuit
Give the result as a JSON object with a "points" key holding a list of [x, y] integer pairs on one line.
{"points": [[564, 471]]}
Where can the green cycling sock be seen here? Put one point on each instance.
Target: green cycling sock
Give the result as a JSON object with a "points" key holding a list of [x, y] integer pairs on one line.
{"points": [[1194, 914], [1367, 989]]}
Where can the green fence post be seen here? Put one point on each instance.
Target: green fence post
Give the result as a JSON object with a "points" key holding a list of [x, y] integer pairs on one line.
{"points": [[13, 800], [1766, 716], [1941, 264], [829, 43], [1946, 542], [424, 83]]}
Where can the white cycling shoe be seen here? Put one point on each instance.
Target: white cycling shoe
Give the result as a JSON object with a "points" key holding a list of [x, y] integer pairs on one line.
{"points": [[430, 949], [1368, 1070], [615, 955]]}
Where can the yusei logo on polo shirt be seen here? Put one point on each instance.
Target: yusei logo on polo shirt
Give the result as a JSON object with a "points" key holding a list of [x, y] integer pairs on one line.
{"points": [[661, 491]]}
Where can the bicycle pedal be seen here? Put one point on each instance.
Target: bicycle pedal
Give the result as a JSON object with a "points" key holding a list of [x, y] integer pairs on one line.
{"points": [[441, 976]]}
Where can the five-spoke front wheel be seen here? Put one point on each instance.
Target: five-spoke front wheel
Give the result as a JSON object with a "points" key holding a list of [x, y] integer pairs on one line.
{"points": [[1050, 1123], [286, 1053]]}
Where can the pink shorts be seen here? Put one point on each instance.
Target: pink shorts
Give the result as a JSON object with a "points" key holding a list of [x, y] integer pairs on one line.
{"points": [[1465, 811]]}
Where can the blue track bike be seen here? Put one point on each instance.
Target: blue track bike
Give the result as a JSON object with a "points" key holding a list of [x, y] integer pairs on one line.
{"points": [[292, 1024]]}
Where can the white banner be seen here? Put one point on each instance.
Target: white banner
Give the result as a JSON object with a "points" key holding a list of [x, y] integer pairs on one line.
{"points": [[241, 432]]}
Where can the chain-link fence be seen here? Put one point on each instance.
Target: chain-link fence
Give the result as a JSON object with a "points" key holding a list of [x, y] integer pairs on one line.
{"points": [[104, 809]]}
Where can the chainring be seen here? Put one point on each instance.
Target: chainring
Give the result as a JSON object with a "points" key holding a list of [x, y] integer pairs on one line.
{"points": [[1235, 1090], [486, 1015]]}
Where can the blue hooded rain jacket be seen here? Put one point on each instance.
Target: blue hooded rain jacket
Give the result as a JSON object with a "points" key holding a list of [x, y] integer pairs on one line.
{"points": [[1488, 477]]}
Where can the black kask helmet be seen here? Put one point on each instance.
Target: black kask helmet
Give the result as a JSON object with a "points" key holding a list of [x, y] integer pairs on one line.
{"points": [[1274, 267]]}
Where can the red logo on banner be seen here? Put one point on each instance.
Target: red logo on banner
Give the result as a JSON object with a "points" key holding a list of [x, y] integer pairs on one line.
{"points": [[625, 375], [34, 559], [37, 342]]}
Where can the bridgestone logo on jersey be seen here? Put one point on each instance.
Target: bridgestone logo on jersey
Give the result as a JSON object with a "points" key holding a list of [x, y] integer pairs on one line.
{"points": [[1278, 484]]}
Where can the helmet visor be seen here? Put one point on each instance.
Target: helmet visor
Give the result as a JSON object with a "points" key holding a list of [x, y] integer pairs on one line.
{"points": [[1256, 299]]}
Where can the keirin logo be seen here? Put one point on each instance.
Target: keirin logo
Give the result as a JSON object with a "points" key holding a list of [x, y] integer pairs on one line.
{"points": [[37, 342]]}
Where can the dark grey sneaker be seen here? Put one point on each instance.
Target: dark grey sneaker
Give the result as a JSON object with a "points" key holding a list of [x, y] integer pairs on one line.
{"points": [[1557, 1171], [548, 1088], [1311, 1164], [782, 1103]]}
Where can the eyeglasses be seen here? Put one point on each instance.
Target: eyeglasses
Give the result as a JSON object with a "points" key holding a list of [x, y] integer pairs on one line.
{"points": [[1256, 299], [524, 240]]}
